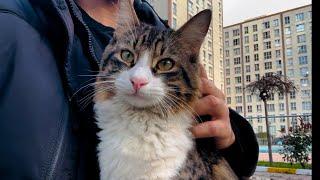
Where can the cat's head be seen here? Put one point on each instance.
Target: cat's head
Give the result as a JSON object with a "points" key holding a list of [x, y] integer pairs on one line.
{"points": [[152, 67]]}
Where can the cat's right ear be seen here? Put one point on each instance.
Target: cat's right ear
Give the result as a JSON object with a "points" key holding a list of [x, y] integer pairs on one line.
{"points": [[192, 33], [127, 17]]}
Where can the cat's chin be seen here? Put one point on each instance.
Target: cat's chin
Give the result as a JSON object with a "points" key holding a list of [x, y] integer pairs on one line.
{"points": [[140, 101]]}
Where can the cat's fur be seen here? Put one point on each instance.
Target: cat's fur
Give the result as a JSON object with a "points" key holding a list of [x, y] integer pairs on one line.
{"points": [[145, 134]]}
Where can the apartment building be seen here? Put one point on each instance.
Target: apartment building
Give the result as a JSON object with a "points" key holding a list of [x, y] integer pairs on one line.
{"points": [[178, 12], [277, 43]]}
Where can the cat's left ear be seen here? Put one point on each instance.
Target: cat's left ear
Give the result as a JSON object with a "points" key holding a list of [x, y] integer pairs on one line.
{"points": [[193, 32], [127, 16]]}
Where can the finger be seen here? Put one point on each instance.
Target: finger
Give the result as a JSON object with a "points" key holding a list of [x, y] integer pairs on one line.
{"points": [[208, 88], [211, 105], [208, 129], [203, 73]]}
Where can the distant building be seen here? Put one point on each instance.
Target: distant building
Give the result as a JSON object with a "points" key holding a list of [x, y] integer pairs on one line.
{"points": [[177, 12], [278, 43]]}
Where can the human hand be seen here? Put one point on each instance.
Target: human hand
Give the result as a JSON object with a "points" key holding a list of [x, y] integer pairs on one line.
{"points": [[213, 103]]}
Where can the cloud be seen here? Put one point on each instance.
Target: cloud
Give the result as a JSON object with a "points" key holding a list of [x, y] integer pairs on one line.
{"points": [[236, 11]]}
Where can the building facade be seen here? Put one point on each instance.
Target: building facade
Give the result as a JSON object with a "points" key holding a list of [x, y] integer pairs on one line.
{"points": [[278, 43], [178, 12]]}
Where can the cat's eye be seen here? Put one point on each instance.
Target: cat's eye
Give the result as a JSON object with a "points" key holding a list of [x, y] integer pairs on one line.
{"points": [[127, 56], [165, 64]]}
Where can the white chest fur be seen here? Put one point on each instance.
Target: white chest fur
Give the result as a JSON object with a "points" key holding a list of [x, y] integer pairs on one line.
{"points": [[137, 145]]}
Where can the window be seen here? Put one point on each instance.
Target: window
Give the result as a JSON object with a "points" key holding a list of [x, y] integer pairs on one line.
{"points": [[249, 109], [255, 28], [277, 43], [246, 30], [270, 107], [246, 39], [280, 96], [306, 105], [239, 109], [306, 93], [228, 81], [247, 68], [237, 60], [292, 95], [247, 50], [174, 8], [288, 41], [276, 23], [249, 98], [236, 32], [290, 72], [300, 27], [210, 45], [278, 63], [248, 78], [268, 74], [238, 89], [228, 91], [238, 99], [227, 62], [287, 31], [289, 52], [293, 106], [247, 58], [228, 72], [174, 23], [237, 70], [266, 25], [255, 47], [304, 82], [256, 67], [228, 100], [304, 71], [256, 57], [281, 106], [266, 35], [238, 80], [267, 45], [302, 49], [260, 129], [257, 77], [300, 17], [190, 6], [255, 37], [259, 109], [236, 42], [287, 20], [227, 53], [301, 38], [268, 65], [276, 33], [226, 34], [278, 54], [267, 55], [236, 51], [204, 55], [303, 60], [210, 57]]}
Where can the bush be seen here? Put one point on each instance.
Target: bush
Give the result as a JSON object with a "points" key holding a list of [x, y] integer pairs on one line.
{"points": [[297, 144]]}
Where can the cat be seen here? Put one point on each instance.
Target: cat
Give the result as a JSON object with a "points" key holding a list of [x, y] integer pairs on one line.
{"points": [[146, 86]]}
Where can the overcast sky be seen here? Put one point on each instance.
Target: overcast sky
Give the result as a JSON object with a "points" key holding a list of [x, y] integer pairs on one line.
{"points": [[236, 11]]}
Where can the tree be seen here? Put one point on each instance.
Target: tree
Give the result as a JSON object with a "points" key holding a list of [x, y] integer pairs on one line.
{"points": [[297, 144], [264, 87]]}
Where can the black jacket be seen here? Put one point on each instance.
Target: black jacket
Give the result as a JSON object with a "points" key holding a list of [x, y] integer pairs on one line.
{"points": [[44, 131]]}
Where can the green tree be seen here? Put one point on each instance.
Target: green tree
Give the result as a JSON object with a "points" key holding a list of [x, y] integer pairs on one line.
{"points": [[264, 87]]}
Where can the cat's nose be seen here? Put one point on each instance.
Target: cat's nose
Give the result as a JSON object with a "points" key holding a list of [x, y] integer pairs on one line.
{"points": [[138, 83]]}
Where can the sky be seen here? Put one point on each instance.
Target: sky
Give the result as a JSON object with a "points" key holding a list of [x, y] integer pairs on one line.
{"points": [[236, 11]]}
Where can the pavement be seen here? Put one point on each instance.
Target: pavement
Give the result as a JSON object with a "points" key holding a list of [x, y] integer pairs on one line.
{"points": [[278, 176]]}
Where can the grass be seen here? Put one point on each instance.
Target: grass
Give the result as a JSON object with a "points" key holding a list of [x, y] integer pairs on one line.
{"points": [[284, 165]]}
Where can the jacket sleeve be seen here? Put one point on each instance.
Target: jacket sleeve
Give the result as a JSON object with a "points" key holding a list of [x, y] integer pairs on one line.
{"points": [[243, 154]]}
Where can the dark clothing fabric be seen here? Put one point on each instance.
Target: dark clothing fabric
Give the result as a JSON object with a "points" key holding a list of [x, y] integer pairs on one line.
{"points": [[48, 51]]}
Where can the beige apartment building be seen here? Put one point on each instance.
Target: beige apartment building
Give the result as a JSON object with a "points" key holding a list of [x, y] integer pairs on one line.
{"points": [[177, 12], [277, 43]]}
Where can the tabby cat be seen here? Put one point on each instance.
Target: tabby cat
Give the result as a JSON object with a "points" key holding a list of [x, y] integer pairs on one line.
{"points": [[147, 84]]}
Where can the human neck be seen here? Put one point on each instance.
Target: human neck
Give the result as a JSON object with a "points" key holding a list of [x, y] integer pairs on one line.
{"points": [[103, 11]]}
